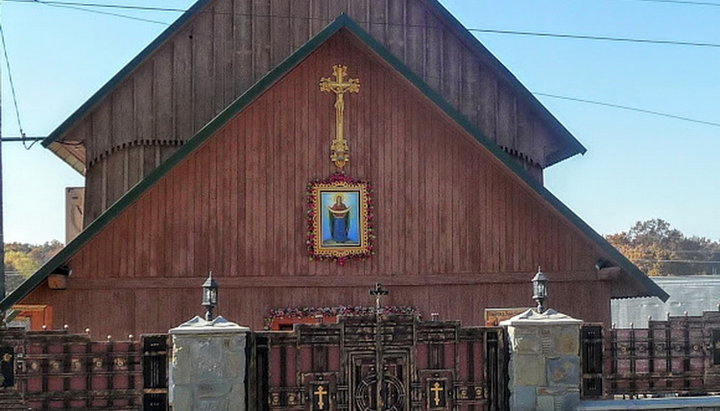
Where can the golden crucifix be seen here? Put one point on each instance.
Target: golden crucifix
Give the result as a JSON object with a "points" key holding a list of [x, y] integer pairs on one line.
{"points": [[437, 389], [320, 393], [339, 150]]}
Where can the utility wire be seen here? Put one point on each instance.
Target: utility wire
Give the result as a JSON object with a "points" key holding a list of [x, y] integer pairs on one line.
{"points": [[106, 13], [622, 107], [680, 261], [597, 38], [683, 2], [83, 5], [12, 88]]}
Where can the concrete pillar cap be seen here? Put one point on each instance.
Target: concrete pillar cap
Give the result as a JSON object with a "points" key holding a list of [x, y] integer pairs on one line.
{"points": [[199, 325], [548, 317]]}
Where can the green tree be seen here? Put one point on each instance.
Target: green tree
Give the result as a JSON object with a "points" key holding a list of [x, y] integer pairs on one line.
{"points": [[20, 262], [27, 258], [658, 249]]}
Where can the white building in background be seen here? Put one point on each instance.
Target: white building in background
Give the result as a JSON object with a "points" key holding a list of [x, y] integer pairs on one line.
{"points": [[691, 294]]}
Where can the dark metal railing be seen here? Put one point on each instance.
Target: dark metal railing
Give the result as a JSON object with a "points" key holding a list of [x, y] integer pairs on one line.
{"points": [[155, 366], [679, 355]]}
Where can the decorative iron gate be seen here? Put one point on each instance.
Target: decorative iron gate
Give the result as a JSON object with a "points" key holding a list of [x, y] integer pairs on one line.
{"points": [[421, 365]]}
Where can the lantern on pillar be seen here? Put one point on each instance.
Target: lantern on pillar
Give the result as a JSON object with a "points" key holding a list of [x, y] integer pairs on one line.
{"points": [[540, 290], [210, 296]]}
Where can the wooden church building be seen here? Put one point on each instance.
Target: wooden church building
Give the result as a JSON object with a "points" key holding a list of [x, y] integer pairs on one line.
{"points": [[304, 150]]}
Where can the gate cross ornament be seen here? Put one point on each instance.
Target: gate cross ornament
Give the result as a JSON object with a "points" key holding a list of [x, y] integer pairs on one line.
{"points": [[339, 150], [320, 394], [437, 389]]}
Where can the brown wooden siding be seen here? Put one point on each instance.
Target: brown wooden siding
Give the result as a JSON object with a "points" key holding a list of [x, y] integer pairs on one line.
{"points": [[457, 231], [232, 43]]}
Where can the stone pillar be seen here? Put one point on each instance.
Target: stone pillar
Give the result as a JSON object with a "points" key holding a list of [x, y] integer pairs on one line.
{"points": [[544, 361], [208, 366]]}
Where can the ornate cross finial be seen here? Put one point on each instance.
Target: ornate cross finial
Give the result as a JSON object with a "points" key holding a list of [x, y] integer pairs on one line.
{"points": [[339, 150], [321, 393], [378, 292], [437, 389]]}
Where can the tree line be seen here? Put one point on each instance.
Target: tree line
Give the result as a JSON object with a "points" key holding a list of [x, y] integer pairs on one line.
{"points": [[25, 258], [660, 250]]}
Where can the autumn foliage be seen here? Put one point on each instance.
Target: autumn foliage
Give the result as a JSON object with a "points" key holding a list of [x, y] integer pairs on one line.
{"points": [[658, 249], [27, 258]]}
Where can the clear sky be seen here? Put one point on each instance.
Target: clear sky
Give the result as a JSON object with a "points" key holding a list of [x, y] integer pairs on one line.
{"points": [[638, 166]]}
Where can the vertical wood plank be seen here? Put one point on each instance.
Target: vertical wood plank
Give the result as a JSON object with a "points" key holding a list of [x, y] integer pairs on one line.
{"points": [[378, 20], [359, 10], [433, 52], [336, 8], [242, 45], [183, 83], [396, 22], [203, 72], [280, 28], [261, 38], [318, 15], [222, 37], [415, 38], [163, 94], [506, 119], [487, 103], [299, 23], [142, 107]]}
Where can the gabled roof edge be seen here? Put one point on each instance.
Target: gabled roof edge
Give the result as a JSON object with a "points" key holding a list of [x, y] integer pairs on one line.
{"points": [[436, 98], [574, 145], [263, 84], [138, 189], [122, 74]]}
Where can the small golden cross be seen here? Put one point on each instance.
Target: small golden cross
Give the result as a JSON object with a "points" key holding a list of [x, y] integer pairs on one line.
{"points": [[437, 389], [321, 393], [339, 150]]}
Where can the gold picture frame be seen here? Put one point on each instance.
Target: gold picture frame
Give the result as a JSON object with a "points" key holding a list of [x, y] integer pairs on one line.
{"points": [[339, 217]]}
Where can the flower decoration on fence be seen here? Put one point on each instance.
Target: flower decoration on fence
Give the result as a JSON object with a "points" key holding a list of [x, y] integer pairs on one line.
{"points": [[340, 218], [288, 313]]}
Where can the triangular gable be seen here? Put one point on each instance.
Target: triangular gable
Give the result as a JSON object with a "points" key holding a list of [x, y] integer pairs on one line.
{"points": [[563, 144], [647, 285], [70, 153]]}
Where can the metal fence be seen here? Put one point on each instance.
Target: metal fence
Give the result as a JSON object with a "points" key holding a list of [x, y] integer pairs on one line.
{"points": [[59, 370], [679, 355]]}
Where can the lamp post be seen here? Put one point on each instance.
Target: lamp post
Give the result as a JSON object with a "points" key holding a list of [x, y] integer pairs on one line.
{"points": [[540, 290], [210, 296], [380, 391]]}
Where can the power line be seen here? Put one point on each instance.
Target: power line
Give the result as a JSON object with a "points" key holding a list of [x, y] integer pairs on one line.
{"points": [[682, 2], [106, 13], [12, 85], [680, 261], [101, 5], [23, 138], [622, 107], [83, 5], [597, 38]]}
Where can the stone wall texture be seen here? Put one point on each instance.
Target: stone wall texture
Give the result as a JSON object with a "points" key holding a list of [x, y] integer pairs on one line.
{"points": [[207, 371], [544, 361]]}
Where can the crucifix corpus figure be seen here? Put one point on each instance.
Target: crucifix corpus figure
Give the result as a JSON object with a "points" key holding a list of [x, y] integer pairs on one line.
{"points": [[339, 150], [378, 292]]}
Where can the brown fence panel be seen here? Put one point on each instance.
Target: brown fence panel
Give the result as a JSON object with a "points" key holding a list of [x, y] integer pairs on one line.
{"points": [[59, 370], [679, 355]]}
